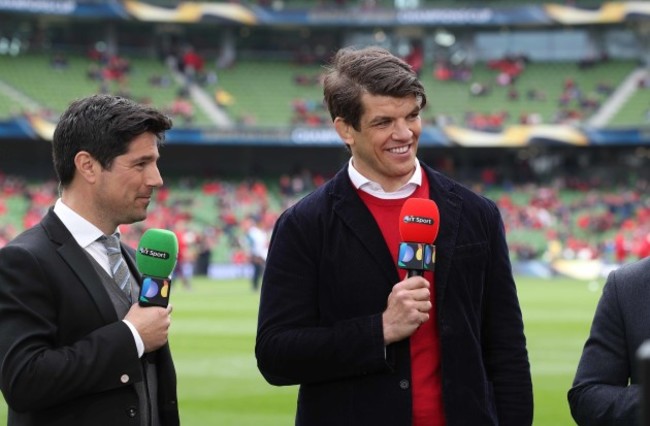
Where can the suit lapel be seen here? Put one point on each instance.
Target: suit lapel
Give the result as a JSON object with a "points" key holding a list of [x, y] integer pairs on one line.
{"points": [[354, 213], [78, 261], [450, 208]]}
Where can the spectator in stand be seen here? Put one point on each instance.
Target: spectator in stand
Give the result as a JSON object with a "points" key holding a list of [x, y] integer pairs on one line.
{"points": [[257, 245], [182, 271], [204, 245], [223, 98], [415, 58], [192, 63], [182, 107], [59, 61], [479, 89], [116, 70]]}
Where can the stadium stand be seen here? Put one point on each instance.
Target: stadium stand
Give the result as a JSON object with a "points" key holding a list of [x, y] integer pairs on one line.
{"points": [[459, 64], [539, 90], [585, 220], [481, 75], [291, 94], [271, 101], [267, 102], [50, 89]]}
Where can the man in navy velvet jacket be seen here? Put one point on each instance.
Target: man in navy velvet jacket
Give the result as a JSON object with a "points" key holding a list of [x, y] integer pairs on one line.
{"points": [[607, 389], [367, 345]]}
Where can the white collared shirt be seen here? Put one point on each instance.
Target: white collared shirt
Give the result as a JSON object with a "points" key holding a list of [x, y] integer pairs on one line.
{"points": [[373, 188], [86, 234]]}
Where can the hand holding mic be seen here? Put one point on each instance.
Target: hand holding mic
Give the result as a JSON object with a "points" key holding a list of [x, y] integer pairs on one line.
{"points": [[409, 302], [156, 258], [418, 227]]}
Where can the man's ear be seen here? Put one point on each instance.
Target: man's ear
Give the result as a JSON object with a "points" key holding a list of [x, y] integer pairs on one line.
{"points": [[87, 167], [344, 130]]}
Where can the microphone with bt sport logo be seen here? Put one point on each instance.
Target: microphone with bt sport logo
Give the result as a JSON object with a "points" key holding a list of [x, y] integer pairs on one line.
{"points": [[156, 259], [418, 227]]}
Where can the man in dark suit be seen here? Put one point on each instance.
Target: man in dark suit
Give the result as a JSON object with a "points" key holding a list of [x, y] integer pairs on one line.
{"points": [[607, 386], [75, 349], [367, 345]]}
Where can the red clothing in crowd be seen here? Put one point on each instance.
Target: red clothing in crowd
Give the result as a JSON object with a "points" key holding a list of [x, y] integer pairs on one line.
{"points": [[193, 60]]}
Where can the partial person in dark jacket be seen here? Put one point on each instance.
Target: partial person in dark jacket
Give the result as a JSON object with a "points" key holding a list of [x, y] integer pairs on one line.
{"points": [[607, 386], [367, 345], [75, 348]]}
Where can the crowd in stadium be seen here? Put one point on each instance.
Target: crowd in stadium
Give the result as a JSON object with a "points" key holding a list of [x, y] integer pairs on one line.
{"points": [[565, 219]]}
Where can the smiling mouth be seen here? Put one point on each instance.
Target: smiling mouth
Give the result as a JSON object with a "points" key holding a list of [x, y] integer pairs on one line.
{"points": [[399, 149]]}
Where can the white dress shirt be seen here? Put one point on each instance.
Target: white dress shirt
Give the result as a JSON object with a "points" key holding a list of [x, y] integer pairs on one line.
{"points": [[86, 235], [373, 188]]}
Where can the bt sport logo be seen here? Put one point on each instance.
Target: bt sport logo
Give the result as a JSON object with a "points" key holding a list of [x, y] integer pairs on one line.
{"points": [[153, 253], [418, 219]]}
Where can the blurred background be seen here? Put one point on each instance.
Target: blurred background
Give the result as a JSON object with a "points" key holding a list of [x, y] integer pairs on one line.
{"points": [[544, 107]]}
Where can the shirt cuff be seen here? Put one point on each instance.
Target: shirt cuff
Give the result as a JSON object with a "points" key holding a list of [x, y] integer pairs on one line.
{"points": [[139, 344]]}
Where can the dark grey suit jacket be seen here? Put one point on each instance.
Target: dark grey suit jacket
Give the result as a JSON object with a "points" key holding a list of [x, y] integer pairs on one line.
{"points": [[606, 388], [327, 280], [65, 357]]}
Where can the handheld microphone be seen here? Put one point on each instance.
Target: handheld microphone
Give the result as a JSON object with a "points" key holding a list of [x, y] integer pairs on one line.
{"points": [[418, 227], [156, 259]]}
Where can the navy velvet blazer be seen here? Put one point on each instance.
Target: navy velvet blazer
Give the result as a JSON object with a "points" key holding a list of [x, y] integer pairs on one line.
{"points": [[607, 386], [327, 280], [66, 359]]}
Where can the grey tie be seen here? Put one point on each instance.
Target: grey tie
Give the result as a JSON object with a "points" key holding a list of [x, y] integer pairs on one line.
{"points": [[119, 268]]}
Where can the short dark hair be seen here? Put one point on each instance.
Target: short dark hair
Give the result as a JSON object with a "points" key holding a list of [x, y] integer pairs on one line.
{"points": [[372, 70], [104, 126]]}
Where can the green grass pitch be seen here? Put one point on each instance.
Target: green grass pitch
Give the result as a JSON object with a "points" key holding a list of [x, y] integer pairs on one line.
{"points": [[213, 335]]}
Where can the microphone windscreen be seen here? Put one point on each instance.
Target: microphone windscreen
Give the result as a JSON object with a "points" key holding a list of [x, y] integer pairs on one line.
{"points": [[419, 221], [157, 253]]}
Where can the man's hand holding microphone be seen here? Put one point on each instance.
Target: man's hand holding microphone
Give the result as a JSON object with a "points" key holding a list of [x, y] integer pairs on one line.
{"points": [[409, 302]]}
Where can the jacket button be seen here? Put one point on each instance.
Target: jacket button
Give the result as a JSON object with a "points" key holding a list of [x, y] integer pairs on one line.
{"points": [[404, 384], [132, 412], [124, 378]]}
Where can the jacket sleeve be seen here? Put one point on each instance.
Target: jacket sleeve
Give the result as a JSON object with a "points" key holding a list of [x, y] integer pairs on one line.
{"points": [[601, 393], [504, 342], [294, 344], [37, 370]]}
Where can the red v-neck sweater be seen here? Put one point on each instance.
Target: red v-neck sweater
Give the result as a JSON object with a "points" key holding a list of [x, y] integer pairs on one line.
{"points": [[426, 388]]}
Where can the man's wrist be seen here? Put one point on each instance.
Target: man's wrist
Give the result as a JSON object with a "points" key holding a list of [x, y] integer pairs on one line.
{"points": [[139, 344]]}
